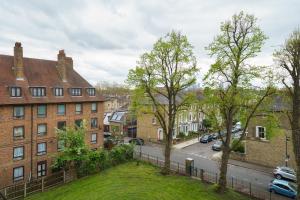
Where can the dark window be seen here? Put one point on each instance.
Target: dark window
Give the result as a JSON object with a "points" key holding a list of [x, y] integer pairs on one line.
{"points": [[60, 145], [76, 91], [94, 107], [41, 168], [18, 132], [94, 123], [41, 148], [58, 92], [94, 138], [78, 108], [42, 129], [41, 110], [18, 112], [61, 125], [18, 173], [15, 92], [61, 109], [18, 153], [91, 91], [38, 91], [78, 122]]}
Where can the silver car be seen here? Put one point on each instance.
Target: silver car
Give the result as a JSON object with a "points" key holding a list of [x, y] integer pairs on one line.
{"points": [[285, 172]]}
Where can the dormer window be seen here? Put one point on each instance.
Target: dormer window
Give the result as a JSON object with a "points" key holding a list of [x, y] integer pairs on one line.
{"points": [[91, 91], [76, 91], [15, 92], [58, 92], [38, 91]]}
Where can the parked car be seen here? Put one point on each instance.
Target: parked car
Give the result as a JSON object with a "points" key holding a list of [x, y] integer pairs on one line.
{"points": [[217, 145], [285, 172], [283, 187], [137, 141], [215, 136], [206, 138]]}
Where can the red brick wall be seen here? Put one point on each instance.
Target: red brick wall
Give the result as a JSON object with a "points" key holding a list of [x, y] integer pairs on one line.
{"points": [[7, 143]]}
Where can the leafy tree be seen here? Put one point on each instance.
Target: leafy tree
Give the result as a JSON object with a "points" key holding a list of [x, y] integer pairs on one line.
{"points": [[160, 78], [231, 93], [288, 58]]}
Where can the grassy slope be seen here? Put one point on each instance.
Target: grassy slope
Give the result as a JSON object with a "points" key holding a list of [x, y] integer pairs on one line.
{"points": [[128, 181]]}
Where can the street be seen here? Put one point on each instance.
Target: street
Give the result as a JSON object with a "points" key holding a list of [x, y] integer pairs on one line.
{"points": [[202, 154]]}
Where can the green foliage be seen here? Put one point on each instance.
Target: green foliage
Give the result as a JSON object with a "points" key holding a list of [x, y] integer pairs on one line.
{"points": [[238, 146], [207, 123], [85, 161]]}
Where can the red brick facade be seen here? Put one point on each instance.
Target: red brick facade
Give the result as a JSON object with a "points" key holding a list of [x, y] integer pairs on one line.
{"points": [[31, 120]]}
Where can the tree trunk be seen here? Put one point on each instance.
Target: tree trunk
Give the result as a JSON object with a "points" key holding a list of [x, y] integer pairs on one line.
{"points": [[166, 169], [223, 170], [296, 132]]}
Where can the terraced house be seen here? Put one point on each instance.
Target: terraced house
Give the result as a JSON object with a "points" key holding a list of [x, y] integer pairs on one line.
{"points": [[36, 97]]}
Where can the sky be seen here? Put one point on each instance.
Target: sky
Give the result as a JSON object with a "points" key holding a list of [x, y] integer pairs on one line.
{"points": [[106, 37]]}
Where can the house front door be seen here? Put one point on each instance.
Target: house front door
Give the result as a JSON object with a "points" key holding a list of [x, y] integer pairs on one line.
{"points": [[160, 134]]}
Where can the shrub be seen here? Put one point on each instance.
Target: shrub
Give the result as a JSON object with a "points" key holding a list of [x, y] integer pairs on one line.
{"points": [[239, 148]]}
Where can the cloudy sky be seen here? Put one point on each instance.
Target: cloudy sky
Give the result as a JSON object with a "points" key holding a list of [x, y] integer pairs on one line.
{"points": [[106, 37]]}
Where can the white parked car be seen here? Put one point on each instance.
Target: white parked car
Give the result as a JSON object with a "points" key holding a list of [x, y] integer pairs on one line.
{"points": [[285, 172]]}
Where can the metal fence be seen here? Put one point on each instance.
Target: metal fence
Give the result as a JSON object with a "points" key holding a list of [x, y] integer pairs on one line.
{"points": [[22, 190], [251, 189]]}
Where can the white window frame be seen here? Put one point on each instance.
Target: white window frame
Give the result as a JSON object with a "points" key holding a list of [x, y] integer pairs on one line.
{"points": [[257, 132], [94, 138]]}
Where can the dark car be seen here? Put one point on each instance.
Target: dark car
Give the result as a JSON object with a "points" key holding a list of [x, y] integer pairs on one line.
{"points": [[137, 141], [206, 138], [217, 146], [215, 136]]}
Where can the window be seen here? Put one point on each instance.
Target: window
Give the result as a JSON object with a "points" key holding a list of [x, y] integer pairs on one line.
{"points": [[94, 123], [18, 173], [59, 92], [41, 110], [61, 125], [41, 148], [18, 112], [15, 92], [18, 132], [78, 108], [60, 145], [38, 91], [94, 107], [76, 91], [261, 132], [42, 129], [91, 91], [78, 122], [18, 153], [41, 168], [61, 109], [94, 138]]}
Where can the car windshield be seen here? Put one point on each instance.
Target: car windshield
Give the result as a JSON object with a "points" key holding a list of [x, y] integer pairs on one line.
{"points": [[293, 186], [219, 142], [205, 136]]}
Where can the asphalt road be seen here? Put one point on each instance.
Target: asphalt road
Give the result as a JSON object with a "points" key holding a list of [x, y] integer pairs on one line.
{"points": [[202, 160]]}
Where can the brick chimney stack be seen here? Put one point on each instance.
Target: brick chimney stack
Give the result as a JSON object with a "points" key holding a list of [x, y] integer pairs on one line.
{"points": [[18, 61], [62, 65]]}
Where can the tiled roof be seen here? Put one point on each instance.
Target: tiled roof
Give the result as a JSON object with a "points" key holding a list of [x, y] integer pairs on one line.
{"points": [[42, 73]]}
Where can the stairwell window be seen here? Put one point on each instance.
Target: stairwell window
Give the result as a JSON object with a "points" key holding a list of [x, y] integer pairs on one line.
{"points": [[261, 132], [38, 91], [76, 91], [15, 92]]}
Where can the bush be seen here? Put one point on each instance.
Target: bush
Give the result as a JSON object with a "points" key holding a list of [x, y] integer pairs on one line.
{"points": [[239, 148], [181, 135]]}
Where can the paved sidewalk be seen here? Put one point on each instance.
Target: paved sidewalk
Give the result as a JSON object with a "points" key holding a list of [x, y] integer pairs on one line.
{"points": [[185, 144], [248, 165]]}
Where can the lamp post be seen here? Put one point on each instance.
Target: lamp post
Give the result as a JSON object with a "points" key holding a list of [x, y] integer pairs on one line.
{"points": [[287, 157]]}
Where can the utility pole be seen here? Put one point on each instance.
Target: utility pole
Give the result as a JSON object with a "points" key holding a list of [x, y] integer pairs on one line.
{"points": [[287, 157]]}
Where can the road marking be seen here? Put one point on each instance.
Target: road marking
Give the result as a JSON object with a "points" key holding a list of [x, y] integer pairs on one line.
{"points": [[200, 156]]}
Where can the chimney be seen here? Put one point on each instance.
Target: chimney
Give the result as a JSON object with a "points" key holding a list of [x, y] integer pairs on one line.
{"points": [[62, 65], [69, 62], [18, 61]]}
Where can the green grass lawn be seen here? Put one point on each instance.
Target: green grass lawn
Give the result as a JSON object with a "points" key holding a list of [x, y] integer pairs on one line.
{"points": [[129, 181]]}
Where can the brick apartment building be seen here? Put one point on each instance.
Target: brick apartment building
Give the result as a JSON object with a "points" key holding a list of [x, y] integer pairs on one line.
{"points": [[36, 96]]}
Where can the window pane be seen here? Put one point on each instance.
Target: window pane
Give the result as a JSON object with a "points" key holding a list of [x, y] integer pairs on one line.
{"points": [[94, 107], [42, 129], [42, 110], [61, 125], [18, 152], [61, 109], [18, 173], [18, 111], [19, 131]]}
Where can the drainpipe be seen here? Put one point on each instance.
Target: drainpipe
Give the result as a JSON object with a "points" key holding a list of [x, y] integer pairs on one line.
{"points": [[31, 138]]}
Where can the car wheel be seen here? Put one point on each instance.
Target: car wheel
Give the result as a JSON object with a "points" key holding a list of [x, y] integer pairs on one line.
{"points": [[278, 176]]}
